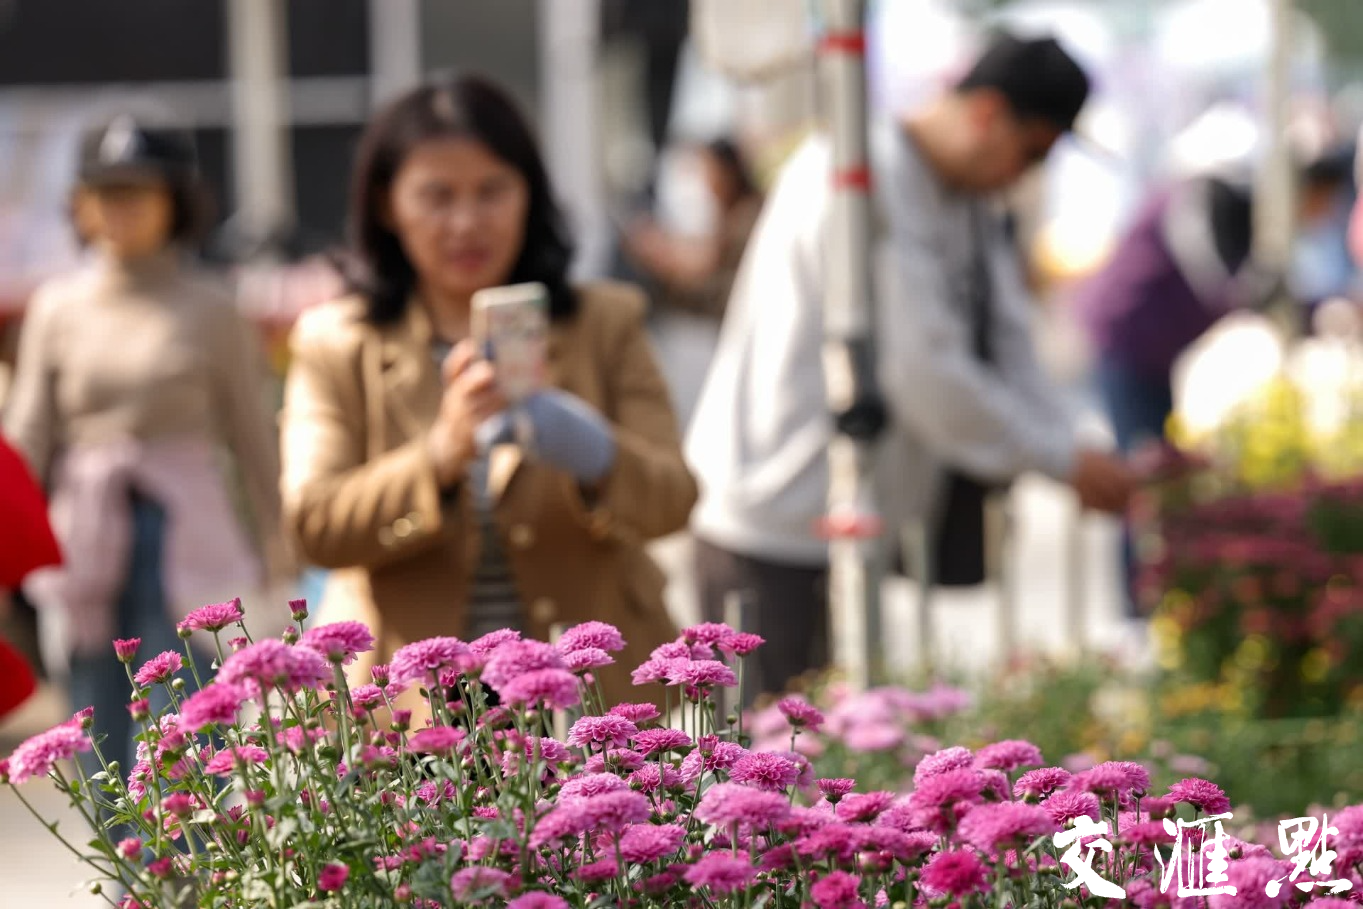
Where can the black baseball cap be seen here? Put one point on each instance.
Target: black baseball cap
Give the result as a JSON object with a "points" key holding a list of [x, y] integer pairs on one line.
{"points": [[124, 150], [1037, 77]]}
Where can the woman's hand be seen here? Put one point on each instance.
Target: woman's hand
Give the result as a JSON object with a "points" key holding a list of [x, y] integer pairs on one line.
{"points": [[471, 396]]}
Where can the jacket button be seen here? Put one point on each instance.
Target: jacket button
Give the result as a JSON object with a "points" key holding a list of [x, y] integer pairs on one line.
{"points": [[402, 528], [544, 610], [522, 536], [386, 537]]}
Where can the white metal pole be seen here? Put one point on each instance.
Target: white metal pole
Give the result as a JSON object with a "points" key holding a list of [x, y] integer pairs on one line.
{"points": [[853, 524], [394, 48], [1273, 197], [261, 150]]}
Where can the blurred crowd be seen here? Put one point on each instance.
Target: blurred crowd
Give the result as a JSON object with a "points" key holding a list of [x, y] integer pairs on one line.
{"points": [[422, 500]]}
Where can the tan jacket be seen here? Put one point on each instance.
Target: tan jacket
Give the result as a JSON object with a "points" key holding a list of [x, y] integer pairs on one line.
{"points": [[360, 491]]}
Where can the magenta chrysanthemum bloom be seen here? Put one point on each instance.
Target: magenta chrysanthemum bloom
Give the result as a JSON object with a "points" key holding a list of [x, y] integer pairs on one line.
{"points": [[1008, 755], [991, 828], [1137, 777], [765, 770], [652, 741], [159, 668], [436, 740], [216, 705], [213, 617], [702, 674], [711, 633], [222, 763], [1065, 806], [591, 785], [837, 890], [551, 751], [1157, 807], [566, 822], [130, 848], [957, 872], [1249, 878], [958, 785], [366, 697], [340, 642], [864, 806], [614, 811], [644, 843], [652, 670], [516, 658], [1146, 833], [800, 713], [601, 731], [940, 762], [599, 635], [711, 757], [1203, 795], [35, 756], [272, 663], [649, 778], [835, 789], [125, 650], [637, 714], [1035, 785], [538, 900], [731, 803], [587, 659], [332, 877], [479, 880], [421, 661], [721, 873], [494, 639], [742, 643], [556, 689]]}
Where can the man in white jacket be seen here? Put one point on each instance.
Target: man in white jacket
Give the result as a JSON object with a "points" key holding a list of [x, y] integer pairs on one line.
{"points": [[955, 354]]}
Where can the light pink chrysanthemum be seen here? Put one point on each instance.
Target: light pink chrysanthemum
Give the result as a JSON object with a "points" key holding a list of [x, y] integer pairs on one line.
{"points": [[721, 873], [959, 785], [213, 617], [835, 789], [1203, 795], [742, 643], [591, 785], [1035, 785], [711, 757], [436, 740], [601, 731], [340, 642], [649, 778], [1250, 879], [1065, 806], [587, 659], [652, 741], [956, 758], [765, 770], [366, 697], [800, 713], [556, 689], [614, 811], [272, 663], [1008, 755], [731, 803], [599, 635], [636, 713], [957, 872], [538, 900], [652, 670], [159, 668], [702, 674], [421, 661], [551, 751], [215, 705], [125, 650], [35, 756], [990, 828], [837, 890], [516, 658], [596, 872], [873, 737], [226, 760], [644, 843], [865, 806], [478, 880], [711, 633], [494, 639]]}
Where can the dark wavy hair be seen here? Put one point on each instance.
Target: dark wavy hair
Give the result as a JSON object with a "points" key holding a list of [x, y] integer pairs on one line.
{"points": [[464, 106]]}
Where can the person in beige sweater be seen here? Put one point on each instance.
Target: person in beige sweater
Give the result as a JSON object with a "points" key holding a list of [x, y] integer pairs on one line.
{"points": [[132, 374]]}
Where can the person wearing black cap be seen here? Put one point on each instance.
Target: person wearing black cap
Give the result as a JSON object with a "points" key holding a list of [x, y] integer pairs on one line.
{"points": [[970, 407], [132, 373]]}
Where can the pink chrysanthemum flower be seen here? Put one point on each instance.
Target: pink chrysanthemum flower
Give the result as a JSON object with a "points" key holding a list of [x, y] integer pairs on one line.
{"points": [[652, 741], [721, 873], [765, 770], [159, 668], [1157, 807], [601, 731], [864, 806], [226, 760], [835, 789], [271, 663], [1035, 785], [538, 900], [35, 756], [551, 751], [948, 759], [1250, 877], [599, 635], [644, 843], [742, 643], [421, 661], [213, 617], [516, 658], [731, 803], [1065, 806], [1146, 834], [556, 689], [340, 642], [614, 811], [711, 633], [1008, 755], [711, 757], [479, 880], [637, 714], [125, 650], [957, 785], [837, 890], [991, 828], [591, 785], [800, 713], [1203, 795], [561, 824], [649, 778], [596, 872], [954, 872], [216, 705], [701, 674], [494, 639], [652, 671], [332, 877], [436, 740], [366, 697], [1113, 778], [587, 659]]}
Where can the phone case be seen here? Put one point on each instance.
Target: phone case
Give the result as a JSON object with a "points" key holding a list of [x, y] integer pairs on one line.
{"points": [[511, 325]]}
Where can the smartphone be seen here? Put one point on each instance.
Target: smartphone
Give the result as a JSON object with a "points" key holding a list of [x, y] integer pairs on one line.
{"points": [[511, 327]]}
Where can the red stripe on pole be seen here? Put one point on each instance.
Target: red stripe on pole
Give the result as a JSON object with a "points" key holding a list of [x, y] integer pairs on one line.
{"points": [[853, 178], [849, 42]]}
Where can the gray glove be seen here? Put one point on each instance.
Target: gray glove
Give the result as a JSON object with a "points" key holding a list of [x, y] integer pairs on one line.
{"points": [[564, 432]]}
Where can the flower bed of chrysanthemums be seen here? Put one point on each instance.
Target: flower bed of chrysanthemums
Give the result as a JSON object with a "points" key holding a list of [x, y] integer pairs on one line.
{"points": [[276, 784]]}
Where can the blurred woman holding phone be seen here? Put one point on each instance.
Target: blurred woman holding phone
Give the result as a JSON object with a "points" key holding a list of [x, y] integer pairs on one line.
{"points": [[401, 465]]}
